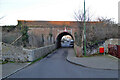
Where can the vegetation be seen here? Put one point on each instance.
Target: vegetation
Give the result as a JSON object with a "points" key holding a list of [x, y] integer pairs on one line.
{"points": [[10, 34], [50, 34], [8, 28], [96, 54], [43, 38], [4, 62], [36, 60], [25, 36], [96, 32]]}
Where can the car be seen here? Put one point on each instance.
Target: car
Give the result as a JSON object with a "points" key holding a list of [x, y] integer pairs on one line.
{"points": [[65, 44], [71, 43]]}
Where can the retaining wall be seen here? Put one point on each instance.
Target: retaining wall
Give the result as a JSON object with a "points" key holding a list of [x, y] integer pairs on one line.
{"points": [[39, 52], [19, 54]]}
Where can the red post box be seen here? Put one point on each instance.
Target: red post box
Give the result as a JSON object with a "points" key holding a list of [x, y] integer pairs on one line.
{"points": [[101, 49]]}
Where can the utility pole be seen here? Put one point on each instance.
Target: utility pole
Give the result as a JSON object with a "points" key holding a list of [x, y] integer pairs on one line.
{"points": [[84, 31]]}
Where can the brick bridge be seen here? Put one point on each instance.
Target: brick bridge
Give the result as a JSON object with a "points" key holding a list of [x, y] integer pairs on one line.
{"points": [[49, 32], [43, 33]]}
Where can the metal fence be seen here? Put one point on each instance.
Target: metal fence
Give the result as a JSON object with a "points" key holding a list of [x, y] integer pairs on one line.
{"points": [[114, 50]]}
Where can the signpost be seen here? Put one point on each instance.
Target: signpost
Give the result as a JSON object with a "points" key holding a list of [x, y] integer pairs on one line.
{"points": [[84, 31], [119, 13]]}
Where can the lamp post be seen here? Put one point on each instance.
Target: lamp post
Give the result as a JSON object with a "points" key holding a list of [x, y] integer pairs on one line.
{"points": [[84, 31]]}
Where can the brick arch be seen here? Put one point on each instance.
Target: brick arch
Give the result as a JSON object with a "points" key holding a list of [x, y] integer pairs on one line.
{"points": [[59, 37]]}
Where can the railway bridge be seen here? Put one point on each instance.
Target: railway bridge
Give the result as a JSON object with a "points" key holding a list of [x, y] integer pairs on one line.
{"points": [[49, 32]]}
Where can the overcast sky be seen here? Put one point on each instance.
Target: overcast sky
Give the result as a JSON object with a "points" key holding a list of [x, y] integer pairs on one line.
{"points": [[54, 10]]}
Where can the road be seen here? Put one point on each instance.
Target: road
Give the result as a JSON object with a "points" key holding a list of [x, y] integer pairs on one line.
{"points": [[55, 65]]}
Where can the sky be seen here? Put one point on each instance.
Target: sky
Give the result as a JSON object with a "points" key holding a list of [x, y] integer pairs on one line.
{"points": [[54, 10]]}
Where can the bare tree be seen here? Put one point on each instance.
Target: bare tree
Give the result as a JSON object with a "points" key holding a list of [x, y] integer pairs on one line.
{"points": [[106, 20], [79, 15]]}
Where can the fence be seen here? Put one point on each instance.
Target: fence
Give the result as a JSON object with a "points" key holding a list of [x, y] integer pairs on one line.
{"points": [[114, 50]]}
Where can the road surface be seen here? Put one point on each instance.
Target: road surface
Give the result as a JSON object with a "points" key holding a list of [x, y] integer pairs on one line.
{"points": [[55, 65]]}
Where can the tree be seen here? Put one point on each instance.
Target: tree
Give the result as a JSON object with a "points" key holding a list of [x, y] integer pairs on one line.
{"points": [[79, 15], [106, 20]]}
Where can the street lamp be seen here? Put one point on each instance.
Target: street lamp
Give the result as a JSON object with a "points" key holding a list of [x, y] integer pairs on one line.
{"points": [[84, 31]]}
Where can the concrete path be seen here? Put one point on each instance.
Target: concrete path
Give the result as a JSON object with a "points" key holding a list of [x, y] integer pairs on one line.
{"points": [[55, 65], [10, 68], [99, 62]]}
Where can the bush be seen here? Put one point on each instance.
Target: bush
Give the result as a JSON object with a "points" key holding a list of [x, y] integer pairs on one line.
{"points": [[24, 35]]}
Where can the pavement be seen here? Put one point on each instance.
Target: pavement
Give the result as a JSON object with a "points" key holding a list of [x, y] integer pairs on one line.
{"points": [[11, 68], [107, 61]]}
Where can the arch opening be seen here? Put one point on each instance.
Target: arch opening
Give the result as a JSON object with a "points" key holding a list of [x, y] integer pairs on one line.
{"points": [[60, 36]]}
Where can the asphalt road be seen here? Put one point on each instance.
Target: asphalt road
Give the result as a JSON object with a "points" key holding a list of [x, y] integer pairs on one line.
{"points": [[55, 65]]}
